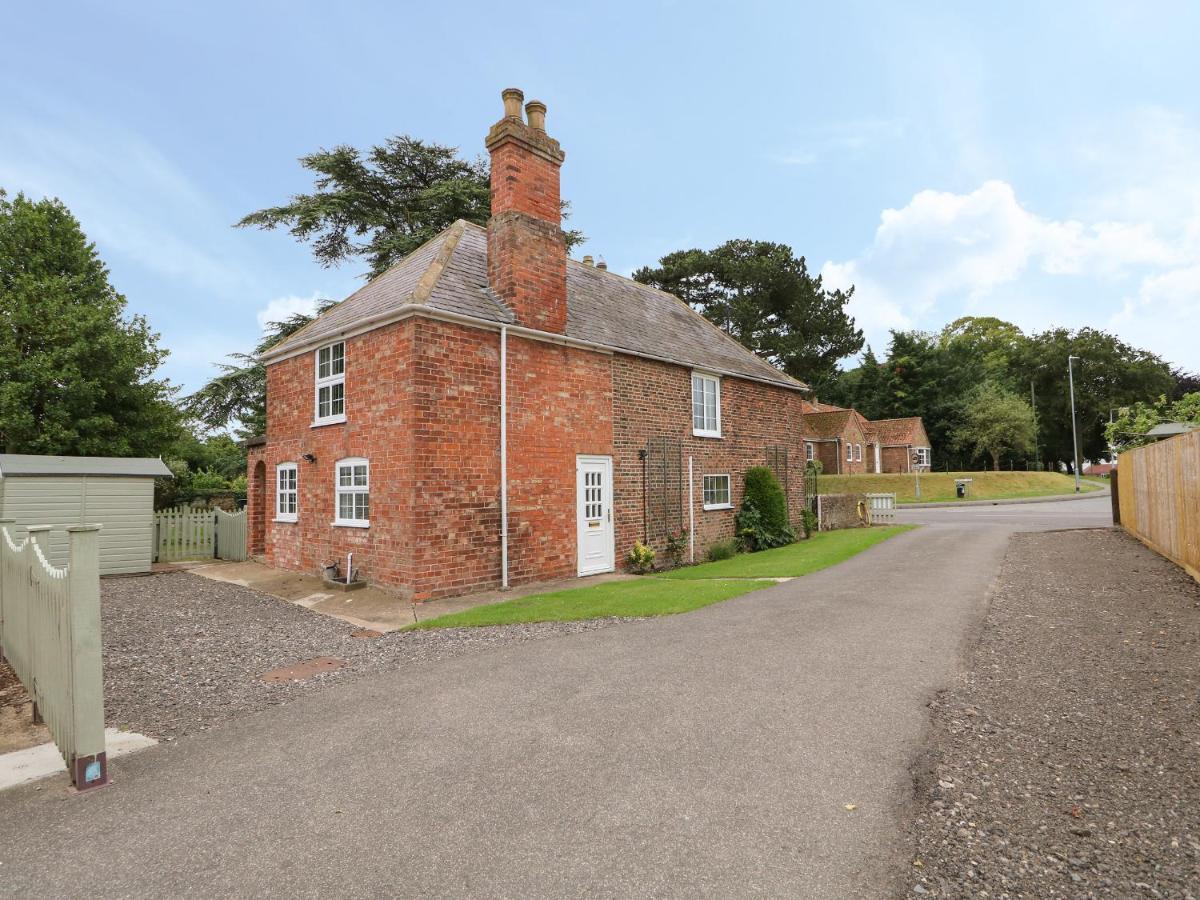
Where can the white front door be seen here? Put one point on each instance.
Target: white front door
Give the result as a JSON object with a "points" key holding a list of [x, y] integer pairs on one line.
{"points": [[593, 479]]}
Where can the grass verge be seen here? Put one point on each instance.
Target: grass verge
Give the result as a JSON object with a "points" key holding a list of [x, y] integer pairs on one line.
{"points": [[824, 549], [675, 592], [642, 597], [938, 487]]}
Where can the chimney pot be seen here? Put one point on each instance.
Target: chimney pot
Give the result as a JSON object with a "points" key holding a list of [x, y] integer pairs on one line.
{"points": [[536, 111], [601, 264], [513, 97], [587, 261]]}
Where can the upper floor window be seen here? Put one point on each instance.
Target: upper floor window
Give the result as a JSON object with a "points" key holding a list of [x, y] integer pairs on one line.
{"points": [[331, 384], [352, 487], [286, 494], [706, 405]]}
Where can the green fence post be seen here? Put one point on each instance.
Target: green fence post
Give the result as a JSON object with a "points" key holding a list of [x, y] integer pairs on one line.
{"points": [[88, 764]]}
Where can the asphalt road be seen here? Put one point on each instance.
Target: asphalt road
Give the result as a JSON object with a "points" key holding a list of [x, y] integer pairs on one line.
{"points": [[713, 753], [1087, 512]]}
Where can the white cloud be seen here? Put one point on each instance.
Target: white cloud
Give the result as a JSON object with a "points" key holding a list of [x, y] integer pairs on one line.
{"points": [[944, 254], [282, 308]]}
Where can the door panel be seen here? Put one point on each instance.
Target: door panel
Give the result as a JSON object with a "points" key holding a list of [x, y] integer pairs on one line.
{"points": [[594, 501]]}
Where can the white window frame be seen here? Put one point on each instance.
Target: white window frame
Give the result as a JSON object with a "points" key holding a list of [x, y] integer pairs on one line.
{"points": [[810, 451], [340, 490], [328, 381], [924, 454], [704, 378], [849, 452], [292, 492], [858, 452], [728, 491]]}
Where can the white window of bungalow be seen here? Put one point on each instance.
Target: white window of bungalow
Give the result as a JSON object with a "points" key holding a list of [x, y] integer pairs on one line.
{"points": [[286, 493], [330, 384], [706, 405], [809, 451], [858, 452], [849, 452], [352, 490]]}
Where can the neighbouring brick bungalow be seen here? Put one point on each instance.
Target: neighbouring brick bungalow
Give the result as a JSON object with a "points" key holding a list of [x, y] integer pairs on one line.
{"points": [[847, 443], [490, 411]]}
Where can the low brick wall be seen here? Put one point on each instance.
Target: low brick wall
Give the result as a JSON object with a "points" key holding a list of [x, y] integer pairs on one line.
{"points": [[842, 511]]}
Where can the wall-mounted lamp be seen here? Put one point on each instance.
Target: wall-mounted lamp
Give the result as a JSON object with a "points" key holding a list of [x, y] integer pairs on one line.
{"points": [[308, 457]]}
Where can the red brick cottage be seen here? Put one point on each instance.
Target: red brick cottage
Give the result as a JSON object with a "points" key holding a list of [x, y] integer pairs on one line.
{"points": [[489, 411]]}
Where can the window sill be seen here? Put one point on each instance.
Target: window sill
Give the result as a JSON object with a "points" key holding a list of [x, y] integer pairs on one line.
{"points": [[705, 434], [290, 521], [350, 524], [336, 420], [709, 506]]}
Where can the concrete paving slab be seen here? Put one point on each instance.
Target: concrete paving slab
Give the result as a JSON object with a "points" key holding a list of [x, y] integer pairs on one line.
{"points": [[45, 760]]}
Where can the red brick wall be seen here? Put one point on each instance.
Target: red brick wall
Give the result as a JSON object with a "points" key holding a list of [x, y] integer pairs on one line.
{"points": [[653, 399], [831, 456], [897, 459], [378, 427]]}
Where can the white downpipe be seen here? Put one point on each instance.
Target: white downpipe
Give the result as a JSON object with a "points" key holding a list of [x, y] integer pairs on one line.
{"points": [[504, 457], [691, 512], [349, 565]]}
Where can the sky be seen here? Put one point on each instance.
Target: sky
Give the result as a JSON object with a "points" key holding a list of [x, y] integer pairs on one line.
{"points": [[1032, 161]]}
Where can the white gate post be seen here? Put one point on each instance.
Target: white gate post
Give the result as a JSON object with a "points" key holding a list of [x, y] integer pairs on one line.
{"points": [[88, 764]]}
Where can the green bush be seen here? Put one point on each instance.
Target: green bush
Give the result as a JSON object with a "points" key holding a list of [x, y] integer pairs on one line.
{"points": [[810, 522], [676, 546], [762, 522], [640, 559], [723, 550]]}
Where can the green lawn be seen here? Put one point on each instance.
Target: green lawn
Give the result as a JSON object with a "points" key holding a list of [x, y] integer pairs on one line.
{"points": [[939, 486], [647, 596], [824, 549], [675, 592]]}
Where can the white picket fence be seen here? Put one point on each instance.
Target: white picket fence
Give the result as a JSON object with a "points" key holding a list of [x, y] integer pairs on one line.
{"points": [[883, 508], [184, 532], [50, 636]]}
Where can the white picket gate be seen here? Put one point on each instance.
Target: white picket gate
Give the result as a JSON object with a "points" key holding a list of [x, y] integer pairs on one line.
{"points": [[188, 533], [883, 508], [50, 635]]}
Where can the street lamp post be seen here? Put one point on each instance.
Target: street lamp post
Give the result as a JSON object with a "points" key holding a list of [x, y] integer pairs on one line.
{"points": [[1074, 434]]}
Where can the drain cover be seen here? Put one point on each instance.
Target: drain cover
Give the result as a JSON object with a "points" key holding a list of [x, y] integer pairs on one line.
{"points": [[306, 668]]}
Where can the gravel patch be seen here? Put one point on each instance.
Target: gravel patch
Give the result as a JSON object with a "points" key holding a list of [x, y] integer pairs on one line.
{"points": [[183, 653], [1065, 763]]}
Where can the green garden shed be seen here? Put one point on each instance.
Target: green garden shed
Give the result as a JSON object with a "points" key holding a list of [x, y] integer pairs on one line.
{"points": [[115, 493]]}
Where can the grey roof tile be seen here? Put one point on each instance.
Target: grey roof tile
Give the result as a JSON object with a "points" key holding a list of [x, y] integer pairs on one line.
{"points": [[449, 274]]}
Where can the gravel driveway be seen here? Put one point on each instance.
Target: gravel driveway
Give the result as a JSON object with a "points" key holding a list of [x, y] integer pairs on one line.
{"points": [[183, 653], [1065, 763]]}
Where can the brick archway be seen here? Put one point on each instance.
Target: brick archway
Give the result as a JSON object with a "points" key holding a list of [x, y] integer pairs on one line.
{"points": [[256, 509]]}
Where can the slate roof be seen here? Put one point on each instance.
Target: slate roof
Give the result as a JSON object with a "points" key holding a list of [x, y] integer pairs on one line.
{"points": [[449, 274], [12, 464], [897, 432]]}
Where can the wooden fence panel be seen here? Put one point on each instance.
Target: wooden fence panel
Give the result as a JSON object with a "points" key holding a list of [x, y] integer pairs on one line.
{"points": [[1158, 488], [50, 635], [231, 535]]}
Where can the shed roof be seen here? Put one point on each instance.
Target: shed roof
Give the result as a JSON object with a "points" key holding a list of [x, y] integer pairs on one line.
{"points": [[13, 464], [1168, 429], [449, 274]]}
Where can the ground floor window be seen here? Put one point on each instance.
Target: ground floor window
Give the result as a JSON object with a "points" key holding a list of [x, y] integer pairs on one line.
{"points": [[849, 453], [809, 452], [858, 452], [923, 456], [285, 492], [716, 492], [352, 487]]}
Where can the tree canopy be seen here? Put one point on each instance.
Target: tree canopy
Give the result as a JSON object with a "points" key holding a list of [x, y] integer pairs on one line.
{"points": [[237, 398], [762, 295], [78, 373], [1130, 423], [381, 205], [995, 421], [932, 374]]}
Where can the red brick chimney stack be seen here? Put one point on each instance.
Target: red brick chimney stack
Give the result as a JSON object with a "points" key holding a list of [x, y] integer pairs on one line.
{"points": [[527, 254]]}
